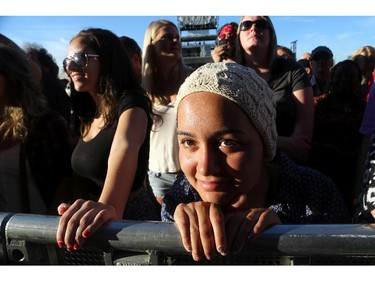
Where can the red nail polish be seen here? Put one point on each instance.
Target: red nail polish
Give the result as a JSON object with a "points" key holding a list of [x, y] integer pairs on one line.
{"points": [[69, 248], [85, 233], [76, 246], [60, 244]]}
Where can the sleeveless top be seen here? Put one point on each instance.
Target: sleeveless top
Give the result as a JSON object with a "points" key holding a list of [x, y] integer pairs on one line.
{"points": [[163, 141], [90, 159]]}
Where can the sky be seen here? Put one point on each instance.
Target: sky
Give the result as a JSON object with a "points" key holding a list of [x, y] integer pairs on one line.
{"points": [[52, 28]]}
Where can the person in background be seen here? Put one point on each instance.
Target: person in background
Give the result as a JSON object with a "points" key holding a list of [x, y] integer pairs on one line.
{"points": [[53, 89], [365, 212], [336, 140], [306, 56], [163, 72], [366, 130], [35, 67], [236, 183], [306, 64], [256, 48], [116, 118], [225, 48], [321, 62], [285, 52], [135, 53], [35, 142], [365, 58]]}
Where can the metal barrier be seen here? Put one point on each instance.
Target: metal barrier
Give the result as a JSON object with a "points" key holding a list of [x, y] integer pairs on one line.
{"points": [[31, 239]]}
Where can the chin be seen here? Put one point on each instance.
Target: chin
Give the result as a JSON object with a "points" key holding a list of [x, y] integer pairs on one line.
{"points": [[222, 199]]}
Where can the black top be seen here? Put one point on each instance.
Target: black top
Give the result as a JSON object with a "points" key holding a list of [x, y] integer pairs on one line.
{"points": [[49, 149], [287, 76], [90, 159]]}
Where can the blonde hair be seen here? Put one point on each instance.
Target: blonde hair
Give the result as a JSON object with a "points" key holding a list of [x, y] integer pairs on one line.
{"points": [[363, 57], [24, 99], [149, 66]]}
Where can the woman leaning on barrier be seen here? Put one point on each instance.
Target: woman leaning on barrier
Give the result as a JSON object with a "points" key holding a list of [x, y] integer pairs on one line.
{"points": [[113, 148], [235, 183]]}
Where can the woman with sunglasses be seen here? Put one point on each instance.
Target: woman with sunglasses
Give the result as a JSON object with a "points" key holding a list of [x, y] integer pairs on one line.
{"points": [[257, 48], [112, 152]]}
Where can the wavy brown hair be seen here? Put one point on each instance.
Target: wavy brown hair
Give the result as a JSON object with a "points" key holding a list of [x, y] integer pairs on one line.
{"points": [[23, 98], [116, 77]]}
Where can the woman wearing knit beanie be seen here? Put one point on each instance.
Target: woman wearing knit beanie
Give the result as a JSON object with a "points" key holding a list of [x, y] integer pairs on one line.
{"points": [[235, 181]]}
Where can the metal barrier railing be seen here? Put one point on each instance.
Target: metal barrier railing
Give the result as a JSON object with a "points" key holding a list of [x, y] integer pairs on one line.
{"points": [[31, 239]]}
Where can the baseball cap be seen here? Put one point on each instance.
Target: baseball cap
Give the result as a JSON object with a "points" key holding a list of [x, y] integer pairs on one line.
{"points": [[321, 50]]}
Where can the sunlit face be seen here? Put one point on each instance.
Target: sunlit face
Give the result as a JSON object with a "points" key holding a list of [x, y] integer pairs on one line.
{"points": [[255, 37], [167, 42], [220, 152], [85, 79]]}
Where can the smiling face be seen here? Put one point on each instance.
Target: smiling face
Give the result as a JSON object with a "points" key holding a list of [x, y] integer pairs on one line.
{"points": [[85, 79], [167, 42], [220, 152]]}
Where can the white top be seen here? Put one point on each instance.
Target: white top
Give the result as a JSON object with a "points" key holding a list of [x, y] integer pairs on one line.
{"points": [[10, 188], [163, 141]]}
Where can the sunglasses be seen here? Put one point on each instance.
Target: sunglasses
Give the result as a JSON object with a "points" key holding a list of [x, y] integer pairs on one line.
{"points": [[79, 60], [261, 24]]}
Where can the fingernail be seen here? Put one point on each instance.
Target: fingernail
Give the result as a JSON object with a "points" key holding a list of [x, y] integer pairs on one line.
{"points": [[221, 249], [76, 246], [69, 248], [60, 244], [86, 233]]}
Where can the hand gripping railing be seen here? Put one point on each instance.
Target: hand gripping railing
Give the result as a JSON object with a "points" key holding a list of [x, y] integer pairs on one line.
{"points": [[31, 239]]}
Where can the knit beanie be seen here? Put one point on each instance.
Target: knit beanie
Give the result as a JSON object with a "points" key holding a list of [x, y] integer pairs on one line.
{"points": [[243, 86]]}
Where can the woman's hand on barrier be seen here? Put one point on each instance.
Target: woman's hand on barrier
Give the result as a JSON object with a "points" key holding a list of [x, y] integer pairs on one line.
{"points": [[207, 231], [79, 220]]}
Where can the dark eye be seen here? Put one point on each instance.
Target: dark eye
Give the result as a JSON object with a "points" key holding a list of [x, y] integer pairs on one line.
{"points": [[228, 143], [188, 143]]}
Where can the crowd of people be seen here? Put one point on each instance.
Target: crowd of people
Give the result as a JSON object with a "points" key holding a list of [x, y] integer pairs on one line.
{"points": [[252, 139]]}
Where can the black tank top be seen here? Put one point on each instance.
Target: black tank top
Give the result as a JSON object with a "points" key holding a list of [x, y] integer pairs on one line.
{"points": [[90, 159]]}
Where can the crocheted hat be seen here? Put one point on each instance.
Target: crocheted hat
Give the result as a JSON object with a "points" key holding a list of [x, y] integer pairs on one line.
{"points": [[243, 86]]}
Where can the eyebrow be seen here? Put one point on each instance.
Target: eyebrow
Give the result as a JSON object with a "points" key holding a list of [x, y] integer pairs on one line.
{"points": [[218, 133]]}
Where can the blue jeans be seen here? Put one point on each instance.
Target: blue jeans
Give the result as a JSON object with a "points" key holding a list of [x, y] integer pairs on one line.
{"points": [[161, 182]]}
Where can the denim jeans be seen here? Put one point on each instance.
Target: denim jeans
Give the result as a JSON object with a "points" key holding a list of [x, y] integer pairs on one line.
{"points": [[161, 182]]}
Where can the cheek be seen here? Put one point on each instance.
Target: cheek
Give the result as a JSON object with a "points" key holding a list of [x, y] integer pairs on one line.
{"points": [[245, 169], [187, 162]]}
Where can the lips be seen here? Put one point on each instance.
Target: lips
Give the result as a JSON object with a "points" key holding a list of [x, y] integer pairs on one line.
{"points": [[76, 77], [212, 185]]}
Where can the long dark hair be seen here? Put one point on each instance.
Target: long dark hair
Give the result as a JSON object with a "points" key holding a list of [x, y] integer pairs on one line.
{"points": [[116, 77]]}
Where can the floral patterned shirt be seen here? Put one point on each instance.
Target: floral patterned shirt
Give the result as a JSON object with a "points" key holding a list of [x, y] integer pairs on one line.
{"points": [[298, 194]]}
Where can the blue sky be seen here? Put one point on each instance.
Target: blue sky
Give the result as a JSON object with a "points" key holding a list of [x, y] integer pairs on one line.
{"points": [[52, 28]]}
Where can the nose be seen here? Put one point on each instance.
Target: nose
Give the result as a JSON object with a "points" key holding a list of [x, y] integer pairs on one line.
{"points": [[209, 161], [71, 66]]}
